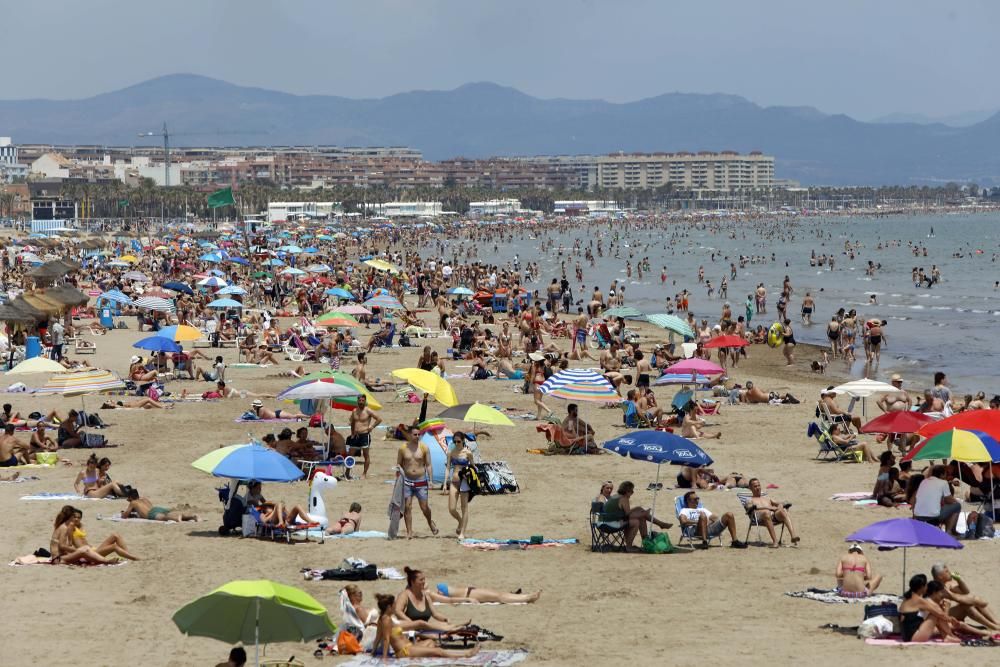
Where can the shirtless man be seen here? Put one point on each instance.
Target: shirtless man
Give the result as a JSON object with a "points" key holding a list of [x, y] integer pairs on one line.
{"points": [[828, 397], [578, 432], [964, 605], [596, 302], [579, 347], [808, 305], [753, 394], [611, 365], [414, 460], [143, 508], [896, 401], [363, 421], [41, 442], [770, 512], [13, 452]]}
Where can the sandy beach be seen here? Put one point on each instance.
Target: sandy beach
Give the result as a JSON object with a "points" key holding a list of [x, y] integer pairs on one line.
{"points": [[722, 606]]}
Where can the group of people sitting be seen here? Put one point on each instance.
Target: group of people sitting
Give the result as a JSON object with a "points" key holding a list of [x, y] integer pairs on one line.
{"points": [[942, 608]]}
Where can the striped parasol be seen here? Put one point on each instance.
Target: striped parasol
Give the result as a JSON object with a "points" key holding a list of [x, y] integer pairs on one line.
{"points": [[671, 323], [82, 382], [385, 301], [155, 303], [116, 296], [336, 319], [580, 384]]}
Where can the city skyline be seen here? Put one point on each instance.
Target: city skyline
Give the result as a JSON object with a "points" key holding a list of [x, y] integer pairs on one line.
{"points": [[862, 59]]}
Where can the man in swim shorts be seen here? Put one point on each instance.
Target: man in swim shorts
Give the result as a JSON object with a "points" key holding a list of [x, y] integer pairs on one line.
{"points": [[363, 422], [414, 463]]}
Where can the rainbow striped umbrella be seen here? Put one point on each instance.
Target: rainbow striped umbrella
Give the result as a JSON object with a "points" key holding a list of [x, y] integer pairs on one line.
{"points": [[82, 382], [345, 402], [580, 384], [959, 445], [336, 319]]}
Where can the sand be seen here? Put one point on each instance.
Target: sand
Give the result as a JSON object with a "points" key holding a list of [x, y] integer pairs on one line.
{"points": [[720, 606]]}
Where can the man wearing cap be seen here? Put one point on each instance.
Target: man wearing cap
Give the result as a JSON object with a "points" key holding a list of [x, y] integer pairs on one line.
{"points": [[895, 401], [267, 413], [855, 578], [413, 463], [828, 397]]}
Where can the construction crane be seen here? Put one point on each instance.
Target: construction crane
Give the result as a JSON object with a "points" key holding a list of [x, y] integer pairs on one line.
{"points": [[166, 144]]}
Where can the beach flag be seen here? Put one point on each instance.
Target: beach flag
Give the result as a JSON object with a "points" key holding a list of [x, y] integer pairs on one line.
{"points": [[223, 197]]}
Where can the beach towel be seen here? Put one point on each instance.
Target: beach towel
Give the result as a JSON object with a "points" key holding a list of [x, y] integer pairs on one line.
{"points": [[830, 597], [351, 574], [395, 508], [897, 641], [62, 496], [852, 495], [133, 519], [22, 561], [483, 658], [513, 545], [18, 480], [241, 420], [25, 466], [318, 532]]}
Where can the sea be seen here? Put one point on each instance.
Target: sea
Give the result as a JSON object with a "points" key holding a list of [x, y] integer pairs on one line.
{"points": [[951, 326]]}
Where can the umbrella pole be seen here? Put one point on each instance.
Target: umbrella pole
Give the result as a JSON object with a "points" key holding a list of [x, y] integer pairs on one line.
{"points": [[256, 633], [656, 488], [904, 571]]}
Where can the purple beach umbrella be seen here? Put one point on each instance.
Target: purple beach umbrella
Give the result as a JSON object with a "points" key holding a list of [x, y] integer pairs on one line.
{"points": [[905, 533]]}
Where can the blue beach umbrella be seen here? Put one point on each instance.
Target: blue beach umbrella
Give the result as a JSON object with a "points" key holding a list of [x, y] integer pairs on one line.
{"points": [[250, 461], [225, 303], [232, 289], [274, 262], [460, 291], [340, 292], [116, 296], [239, 260], [210, 257], [178, 287], [157, 344], [659, 447]]}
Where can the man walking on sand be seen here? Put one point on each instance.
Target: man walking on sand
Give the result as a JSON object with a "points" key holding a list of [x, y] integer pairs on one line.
{"points": [[414, 460]]}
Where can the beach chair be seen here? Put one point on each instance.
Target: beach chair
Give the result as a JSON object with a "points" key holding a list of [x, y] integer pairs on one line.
{"points": [[689, 532], [84, 347], [632, 417], [264, 530], [605, 535], [384, 343], [827, 447], [752, 518], [823, 413]]}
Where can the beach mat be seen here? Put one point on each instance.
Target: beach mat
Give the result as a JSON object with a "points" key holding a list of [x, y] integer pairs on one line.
{"points": [[831, 597], [483, 658], [267, 421], [62, 496], [316, 574], [896, 641], [360, 535], [24, 561], [134, 519], [852, 495], [18, 480], [514, 545]]}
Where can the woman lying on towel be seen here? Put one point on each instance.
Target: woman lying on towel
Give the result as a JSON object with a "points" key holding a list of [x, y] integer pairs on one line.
{"points": [[445, 594], [69, 546], [389, 635]]}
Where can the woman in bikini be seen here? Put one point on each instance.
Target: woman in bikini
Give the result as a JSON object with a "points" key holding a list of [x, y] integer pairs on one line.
{"points": [[415, 609], [70, 545], [855, 578], [137, 371], [445, 594], [88, 482], [537, 375], [389, 634], [459, 459], [347, 524]]}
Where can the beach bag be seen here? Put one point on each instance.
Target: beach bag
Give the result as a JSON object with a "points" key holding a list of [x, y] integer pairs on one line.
{"points": [[93, 440], [657, 543], [249, 416], [875, 627], [47, 458], [347, 644], [475, 481]]}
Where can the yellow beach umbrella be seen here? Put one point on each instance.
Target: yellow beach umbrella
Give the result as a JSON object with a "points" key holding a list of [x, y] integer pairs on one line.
{"points": [[37, 365], [429, 383], [382, 265], [131, 259]]}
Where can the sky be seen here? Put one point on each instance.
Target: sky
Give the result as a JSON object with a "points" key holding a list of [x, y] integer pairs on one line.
{"points": [[864, 58]]}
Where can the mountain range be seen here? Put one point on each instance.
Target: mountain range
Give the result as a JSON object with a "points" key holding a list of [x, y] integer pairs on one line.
{"points": [[485, 119]]}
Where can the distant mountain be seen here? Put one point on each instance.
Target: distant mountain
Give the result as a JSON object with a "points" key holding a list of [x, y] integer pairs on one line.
{"points": [[484, 119], [961, 119]]}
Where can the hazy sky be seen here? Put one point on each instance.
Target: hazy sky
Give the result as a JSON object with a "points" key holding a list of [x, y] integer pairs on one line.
{"points": [[861, 57]]}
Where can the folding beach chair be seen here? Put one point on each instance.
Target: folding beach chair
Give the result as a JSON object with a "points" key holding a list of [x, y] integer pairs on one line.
{"points": [[632, 417], [383, 343], [689, 532], [754, 522], [827, 447], [605, 535], [264, 530]]}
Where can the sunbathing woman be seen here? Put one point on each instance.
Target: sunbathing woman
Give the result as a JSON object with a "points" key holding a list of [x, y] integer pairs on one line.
{"points": [[691, 426], [415, 609], [143, 402], [446, 594], [138, 373], [348, 523], [61, 544], [390, 635], [923, 617], [88, 482]]}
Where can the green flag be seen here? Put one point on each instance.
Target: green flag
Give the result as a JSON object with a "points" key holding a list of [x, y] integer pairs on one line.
{"points": [[123, 202], [223, 197]]}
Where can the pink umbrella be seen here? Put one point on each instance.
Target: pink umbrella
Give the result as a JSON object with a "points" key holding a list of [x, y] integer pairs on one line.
{"points": [[695, 365], [353, 309]]}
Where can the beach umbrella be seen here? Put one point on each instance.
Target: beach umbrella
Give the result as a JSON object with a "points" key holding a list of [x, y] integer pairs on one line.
{"points": [[580, 384], [318, 389], [291, 249], [727, 341], [311, 250], [155, 303], [987, 421], [384, 301], [681, 378], [901, 421], [212, 281], [904, 533], [274, 262], [659, 447], [382, 265], [292, 271], [217, 273], [115, 263], [255, 612], [225, 303], [671, 323], [477, 413], [157, 344], [319, 268], [336, 319], [178, 287], [959, 445], [354, 309], [864, 388], [339, 292], [429, 383], [239, 260], [131, 259], [232, 289], [251, 461], [211, 257], [37, 365], [116, 296], [158, 292], [135, 276], [460, 291], [81, 383], [180, 333], [696, 365], [346, 402], [624, 312], [262, 274]]}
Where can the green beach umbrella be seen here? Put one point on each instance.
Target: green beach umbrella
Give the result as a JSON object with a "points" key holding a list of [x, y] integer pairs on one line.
{"points": [[345, 402], [672, 323], [625, 312], [262, 274], [255, 612], [477, 413]]}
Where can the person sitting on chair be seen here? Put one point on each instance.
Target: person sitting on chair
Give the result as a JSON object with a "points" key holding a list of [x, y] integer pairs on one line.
{"points": [[769, 512], [618, 508], [380, 337], [935, 501], [701, 522]]}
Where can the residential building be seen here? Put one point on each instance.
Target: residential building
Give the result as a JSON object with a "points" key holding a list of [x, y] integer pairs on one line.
{"points": [[590, 207], [406, 209], [495, 207], [10, 168], [284, 211]]}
